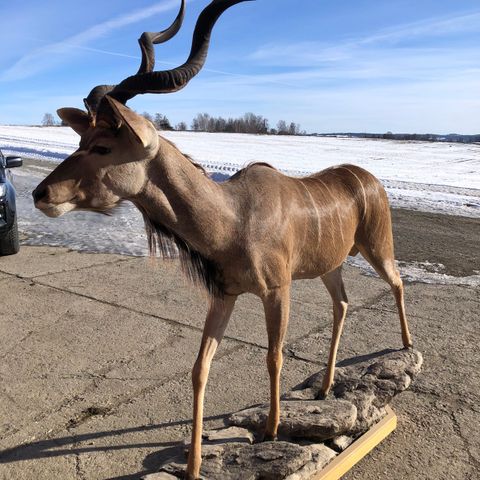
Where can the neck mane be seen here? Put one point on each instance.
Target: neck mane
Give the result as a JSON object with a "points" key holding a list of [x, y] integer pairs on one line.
{"points": [[197, 268], [164, 240]]}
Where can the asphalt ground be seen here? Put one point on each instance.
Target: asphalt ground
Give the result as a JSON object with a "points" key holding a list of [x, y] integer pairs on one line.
{"points": [[96, 352]]}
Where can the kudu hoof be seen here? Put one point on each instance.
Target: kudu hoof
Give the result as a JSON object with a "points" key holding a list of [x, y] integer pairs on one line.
{"points": [[189, 476], [269, 438], [322, 395]]}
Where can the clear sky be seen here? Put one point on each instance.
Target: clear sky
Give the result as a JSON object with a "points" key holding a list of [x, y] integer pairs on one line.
{"points": [[330, 65]]}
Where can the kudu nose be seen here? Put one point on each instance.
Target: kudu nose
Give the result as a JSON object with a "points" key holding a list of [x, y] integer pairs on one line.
{"points": [[39, 193]]}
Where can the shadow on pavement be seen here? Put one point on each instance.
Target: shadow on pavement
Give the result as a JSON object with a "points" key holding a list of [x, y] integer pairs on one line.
{"points": [[52, 447]]}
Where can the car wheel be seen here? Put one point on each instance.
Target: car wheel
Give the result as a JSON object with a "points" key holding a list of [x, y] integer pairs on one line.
{"points": [[9, 243]]}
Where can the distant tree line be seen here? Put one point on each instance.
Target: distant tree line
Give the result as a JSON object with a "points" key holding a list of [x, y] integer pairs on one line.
{"points": [[424, 137], [248, 123], [203, 122], [257, 124]]}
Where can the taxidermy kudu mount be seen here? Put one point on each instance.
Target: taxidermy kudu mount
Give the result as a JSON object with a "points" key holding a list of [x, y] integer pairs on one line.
{"points": [[254, 233]]}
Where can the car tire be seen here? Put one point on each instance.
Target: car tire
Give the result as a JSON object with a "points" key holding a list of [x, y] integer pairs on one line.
{"points": [[10, 243]]}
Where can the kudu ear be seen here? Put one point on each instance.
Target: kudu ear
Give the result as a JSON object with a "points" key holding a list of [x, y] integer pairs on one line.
{"points": [[75, 118], [121, 115]]}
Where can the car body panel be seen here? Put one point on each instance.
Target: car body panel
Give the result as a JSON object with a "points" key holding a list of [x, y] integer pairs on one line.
{"points": [[8, 208]]}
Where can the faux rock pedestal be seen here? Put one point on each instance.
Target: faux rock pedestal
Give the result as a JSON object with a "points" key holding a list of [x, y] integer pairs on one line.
{"points": [[311, 431]]}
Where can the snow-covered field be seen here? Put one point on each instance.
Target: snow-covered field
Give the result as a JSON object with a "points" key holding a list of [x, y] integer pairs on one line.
{"points": [[432, 177]]}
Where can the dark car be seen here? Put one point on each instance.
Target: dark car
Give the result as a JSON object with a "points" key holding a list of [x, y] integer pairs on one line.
{"points": [[9, 243]]}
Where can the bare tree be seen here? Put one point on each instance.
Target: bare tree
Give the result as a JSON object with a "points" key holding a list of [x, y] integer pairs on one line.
{"points": [[161, 122], [291, 129], [147, 116], [195, 125], [201, 122], [48, 120], [282, 127], [252, 123], [294, 128], [181, 126]]}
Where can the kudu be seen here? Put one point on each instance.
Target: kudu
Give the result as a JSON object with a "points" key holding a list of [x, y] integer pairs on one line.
{"points": [[254, 233]]}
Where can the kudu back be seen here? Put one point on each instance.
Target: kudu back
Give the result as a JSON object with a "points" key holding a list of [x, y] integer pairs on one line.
{"points": [[254, 233]]}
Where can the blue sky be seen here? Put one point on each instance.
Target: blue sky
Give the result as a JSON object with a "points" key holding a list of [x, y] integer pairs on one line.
{"points": [[354, 65]]}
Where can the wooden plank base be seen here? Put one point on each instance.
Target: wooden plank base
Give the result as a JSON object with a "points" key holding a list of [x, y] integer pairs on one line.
{"points": [[341, 464]]}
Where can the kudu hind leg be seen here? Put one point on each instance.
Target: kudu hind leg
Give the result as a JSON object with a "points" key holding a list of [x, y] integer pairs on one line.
{"points": [[277, 306], [334, 283], [215, 324], [384, 264]]}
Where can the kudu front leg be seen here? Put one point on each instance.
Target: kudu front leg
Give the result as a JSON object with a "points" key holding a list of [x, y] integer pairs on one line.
{"points": [[334, 283], [277, 307], [215, 324]]}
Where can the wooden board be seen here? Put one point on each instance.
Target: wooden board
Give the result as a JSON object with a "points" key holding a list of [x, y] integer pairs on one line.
{"points": [[341, 464]]}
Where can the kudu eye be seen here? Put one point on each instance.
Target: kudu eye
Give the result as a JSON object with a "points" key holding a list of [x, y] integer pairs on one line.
{"points": [[100, 150]]}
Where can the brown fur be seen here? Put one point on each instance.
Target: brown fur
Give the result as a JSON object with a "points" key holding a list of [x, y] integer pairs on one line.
{"points": [[254, 233]]}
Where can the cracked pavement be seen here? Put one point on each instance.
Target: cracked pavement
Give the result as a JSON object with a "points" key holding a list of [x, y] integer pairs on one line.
{"points": [[96, 352]]}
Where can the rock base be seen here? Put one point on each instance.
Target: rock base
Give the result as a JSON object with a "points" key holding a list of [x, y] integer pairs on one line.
{"points": [[362, 389], [268, 461]]}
